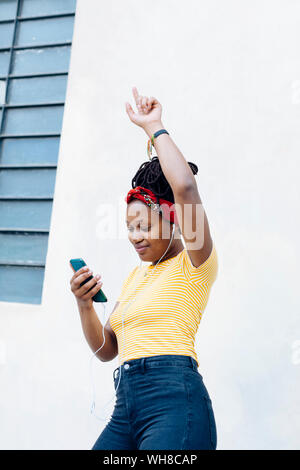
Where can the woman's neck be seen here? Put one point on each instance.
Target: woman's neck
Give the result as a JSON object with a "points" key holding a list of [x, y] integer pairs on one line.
{"points": [[174, 250]]}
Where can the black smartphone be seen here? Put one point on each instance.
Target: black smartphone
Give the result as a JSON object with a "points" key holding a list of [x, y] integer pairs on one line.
{"points": [[78, 263]]}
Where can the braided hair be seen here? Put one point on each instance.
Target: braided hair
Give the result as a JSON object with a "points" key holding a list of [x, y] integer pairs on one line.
{"points": [[151, 176]]}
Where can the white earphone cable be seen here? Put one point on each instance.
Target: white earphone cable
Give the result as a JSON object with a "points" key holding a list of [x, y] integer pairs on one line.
{"points": [[93, 406]]}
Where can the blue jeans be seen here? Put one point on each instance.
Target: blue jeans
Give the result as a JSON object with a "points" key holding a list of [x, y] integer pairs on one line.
{"points": [[161, 403]]}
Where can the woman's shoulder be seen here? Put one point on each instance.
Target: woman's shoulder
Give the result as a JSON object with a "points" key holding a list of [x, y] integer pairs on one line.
{"points": [[205, 273]]}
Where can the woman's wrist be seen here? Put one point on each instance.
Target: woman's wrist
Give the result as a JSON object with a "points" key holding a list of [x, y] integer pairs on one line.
{"points": [[85, 309], [152, 127]]}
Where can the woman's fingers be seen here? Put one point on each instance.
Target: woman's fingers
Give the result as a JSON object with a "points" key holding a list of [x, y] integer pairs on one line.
{"points": [[87, 286], [147, 108], [130, 111], [78, 273], [144, 101], [75, 284], [145, 104], [90, 287], [80, 278], [93, 291], [152, 100], [139, 101], [136, 95]]}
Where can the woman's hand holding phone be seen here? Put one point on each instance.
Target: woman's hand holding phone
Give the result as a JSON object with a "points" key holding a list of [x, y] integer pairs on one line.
{"points": [[84, 293]]}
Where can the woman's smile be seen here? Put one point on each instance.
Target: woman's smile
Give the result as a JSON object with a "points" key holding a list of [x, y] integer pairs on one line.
{"points": [[141, 249]]}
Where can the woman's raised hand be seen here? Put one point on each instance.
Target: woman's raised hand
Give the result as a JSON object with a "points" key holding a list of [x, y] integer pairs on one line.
{"points": [[149, 110]]}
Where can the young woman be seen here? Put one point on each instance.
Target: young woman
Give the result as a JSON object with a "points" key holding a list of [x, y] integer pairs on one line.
{"points": [[162, 402]]}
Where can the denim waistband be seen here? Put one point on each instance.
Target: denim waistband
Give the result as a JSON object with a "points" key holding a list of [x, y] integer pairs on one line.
{"points": [[143, 363]]}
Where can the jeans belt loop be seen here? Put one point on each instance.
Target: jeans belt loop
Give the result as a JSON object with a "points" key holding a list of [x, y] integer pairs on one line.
{"points": [[192, 362], [143, 365]]}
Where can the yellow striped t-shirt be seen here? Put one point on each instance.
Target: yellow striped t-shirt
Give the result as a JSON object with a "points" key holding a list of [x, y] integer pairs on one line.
{"points": [[170, 301]]}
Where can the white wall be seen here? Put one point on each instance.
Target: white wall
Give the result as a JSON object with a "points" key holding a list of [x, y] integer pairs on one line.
{"points": [[228, 77]]}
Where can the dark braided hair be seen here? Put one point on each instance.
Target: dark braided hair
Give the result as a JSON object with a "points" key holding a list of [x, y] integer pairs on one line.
{"points": [[151, 176]]}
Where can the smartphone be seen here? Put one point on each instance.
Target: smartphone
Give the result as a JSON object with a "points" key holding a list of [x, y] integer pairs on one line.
{"points": [[78, 263]]}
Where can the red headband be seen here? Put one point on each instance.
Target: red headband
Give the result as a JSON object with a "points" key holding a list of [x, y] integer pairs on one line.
{"points": [[149, 198]]}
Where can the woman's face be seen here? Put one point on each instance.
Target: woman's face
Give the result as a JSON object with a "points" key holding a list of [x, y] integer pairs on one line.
{"points": [[147, 229]]}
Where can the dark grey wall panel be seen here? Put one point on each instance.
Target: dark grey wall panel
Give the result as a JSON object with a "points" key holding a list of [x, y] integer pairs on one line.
{"points": [[21, 284], [37, 90], [35, 47], [47, 7], [34, 120], [25, 248], [8, 9], [6, 34], [34, 215], [25, 151], [50, 30], [27, 183], [4, 62], [41, 60]]}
